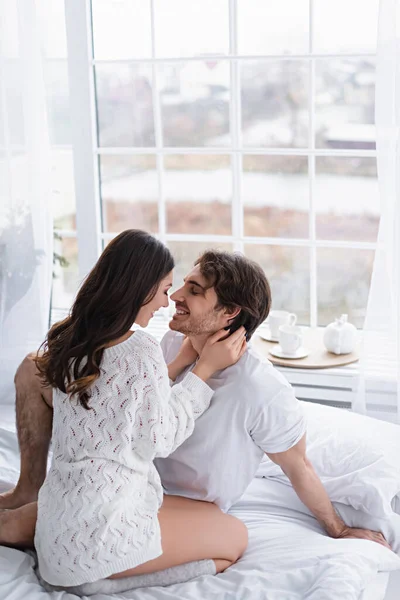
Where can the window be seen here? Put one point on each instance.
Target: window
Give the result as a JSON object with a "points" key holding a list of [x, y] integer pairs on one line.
{"points": [[242, 124]]}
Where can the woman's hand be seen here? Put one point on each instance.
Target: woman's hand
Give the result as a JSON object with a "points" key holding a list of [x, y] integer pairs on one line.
{"points": [[185, 357], [220, 352]]}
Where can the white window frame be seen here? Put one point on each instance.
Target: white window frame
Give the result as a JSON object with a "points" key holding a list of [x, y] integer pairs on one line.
{"points": [[86, 152]]}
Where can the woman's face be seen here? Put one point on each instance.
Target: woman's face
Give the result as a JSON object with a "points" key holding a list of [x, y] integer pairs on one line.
{"points": [[160, 299]]}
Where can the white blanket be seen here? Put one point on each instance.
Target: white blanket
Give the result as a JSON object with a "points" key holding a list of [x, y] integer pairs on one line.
{"points": [[356, 457], [289, 557]]}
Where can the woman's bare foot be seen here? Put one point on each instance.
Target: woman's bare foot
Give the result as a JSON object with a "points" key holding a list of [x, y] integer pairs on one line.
{"points": [[16, 498]]}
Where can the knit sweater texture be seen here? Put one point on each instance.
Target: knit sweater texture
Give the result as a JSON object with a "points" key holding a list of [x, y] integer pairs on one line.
{"points": [[97, 509]]}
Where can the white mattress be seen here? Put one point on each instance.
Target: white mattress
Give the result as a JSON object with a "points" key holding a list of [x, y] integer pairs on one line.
{"points": [[288, 558]]}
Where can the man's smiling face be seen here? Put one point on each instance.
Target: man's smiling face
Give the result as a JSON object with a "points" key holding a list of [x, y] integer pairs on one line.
{"points": [[196, 312]]}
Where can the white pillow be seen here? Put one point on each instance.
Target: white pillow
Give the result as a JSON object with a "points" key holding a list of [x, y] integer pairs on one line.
{"points": [[356, 457]]}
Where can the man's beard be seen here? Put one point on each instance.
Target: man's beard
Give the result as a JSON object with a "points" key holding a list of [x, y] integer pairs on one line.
{"points": [[204, 325]]}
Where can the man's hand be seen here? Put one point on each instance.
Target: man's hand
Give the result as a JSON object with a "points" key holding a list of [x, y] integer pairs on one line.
{"points": [[364, 534], [308, 486]]}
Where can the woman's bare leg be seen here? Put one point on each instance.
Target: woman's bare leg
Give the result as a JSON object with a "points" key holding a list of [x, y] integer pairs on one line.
{"points": [[34, 423], [193, 530], [190, 530]]}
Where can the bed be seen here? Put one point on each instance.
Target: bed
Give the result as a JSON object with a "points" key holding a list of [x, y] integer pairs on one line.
{"points": [[288, 558]]}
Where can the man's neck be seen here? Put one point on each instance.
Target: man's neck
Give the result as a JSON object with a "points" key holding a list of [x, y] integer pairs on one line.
{"points": [[198, 341]]}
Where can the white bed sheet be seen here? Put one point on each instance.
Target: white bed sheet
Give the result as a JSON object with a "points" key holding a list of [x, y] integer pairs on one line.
{"points": [[288, 558], [393, 587], [377, 588]]}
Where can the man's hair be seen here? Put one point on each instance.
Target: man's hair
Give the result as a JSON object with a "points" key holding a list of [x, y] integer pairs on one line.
{"points": [[238, 282]]}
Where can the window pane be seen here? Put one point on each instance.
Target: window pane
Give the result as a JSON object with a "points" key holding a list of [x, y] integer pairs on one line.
{"points": [[195, 100], [287, 270], [275, 193], [275, 103], [58, 107], [344, 26], [271, 27], [191, 28], [129, 192], [198, 192], [125, 105], [347, 198], [121, 29], [64, 205], [66, 279], [344, 277], [345, 103]]}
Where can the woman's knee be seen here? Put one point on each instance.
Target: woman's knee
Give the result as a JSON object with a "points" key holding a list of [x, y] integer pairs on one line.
{"points": [[238, 537]]}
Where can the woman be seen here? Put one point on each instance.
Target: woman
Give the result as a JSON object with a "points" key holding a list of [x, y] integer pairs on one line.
{"points": [[114, 412]]}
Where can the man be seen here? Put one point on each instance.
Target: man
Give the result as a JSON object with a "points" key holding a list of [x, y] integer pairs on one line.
{"points": [[253, 411]]}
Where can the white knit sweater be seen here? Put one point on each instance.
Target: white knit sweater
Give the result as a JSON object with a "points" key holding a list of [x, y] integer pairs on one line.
{"points": [[97, 509]]}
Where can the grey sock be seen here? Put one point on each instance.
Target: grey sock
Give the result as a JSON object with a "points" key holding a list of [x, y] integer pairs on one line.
{"points": [[178, 574]]}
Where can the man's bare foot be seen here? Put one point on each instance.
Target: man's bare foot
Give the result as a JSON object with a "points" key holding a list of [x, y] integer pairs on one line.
{"points": [[16, 497]]}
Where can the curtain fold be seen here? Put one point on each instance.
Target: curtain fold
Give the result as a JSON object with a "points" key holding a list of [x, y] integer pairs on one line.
{"points": [[26, 253], [378, 387]]}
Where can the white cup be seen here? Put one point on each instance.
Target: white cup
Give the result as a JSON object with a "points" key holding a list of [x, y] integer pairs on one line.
{"points": [[290, 338], [277, 318]]}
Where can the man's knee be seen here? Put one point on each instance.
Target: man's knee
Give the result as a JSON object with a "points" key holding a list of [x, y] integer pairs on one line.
{"points": [[27, 371], [27, 376]]}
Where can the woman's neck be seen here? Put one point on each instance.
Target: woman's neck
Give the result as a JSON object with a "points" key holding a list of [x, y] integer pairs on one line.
{"points": [[120, 339]]}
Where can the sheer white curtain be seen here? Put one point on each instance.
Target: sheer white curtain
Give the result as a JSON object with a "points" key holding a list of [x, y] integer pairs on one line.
{"points": [[25, 189], [378, 391]]}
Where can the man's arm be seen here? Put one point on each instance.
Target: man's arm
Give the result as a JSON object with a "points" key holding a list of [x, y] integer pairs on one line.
{"points": [[309, 488]]}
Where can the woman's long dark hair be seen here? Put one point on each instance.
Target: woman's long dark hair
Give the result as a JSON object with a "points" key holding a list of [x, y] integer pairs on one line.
{"points": [[125, 277]]}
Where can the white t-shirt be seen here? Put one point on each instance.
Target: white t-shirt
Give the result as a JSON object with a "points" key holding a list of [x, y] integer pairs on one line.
{"points": [[253, 411]]}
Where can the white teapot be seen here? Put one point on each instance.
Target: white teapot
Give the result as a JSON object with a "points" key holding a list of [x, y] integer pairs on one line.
{"points": [[340, 337]]}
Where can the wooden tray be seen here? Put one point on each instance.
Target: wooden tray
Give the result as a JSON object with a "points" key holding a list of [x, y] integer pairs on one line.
{"points": [[318, 358]]}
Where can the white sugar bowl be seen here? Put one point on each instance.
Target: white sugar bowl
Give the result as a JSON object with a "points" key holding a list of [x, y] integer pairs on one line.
{"points": [[340, 337]]}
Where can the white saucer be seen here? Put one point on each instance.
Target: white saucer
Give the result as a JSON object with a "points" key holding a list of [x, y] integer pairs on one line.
{"points": [[268, 337], [279, 353]]}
